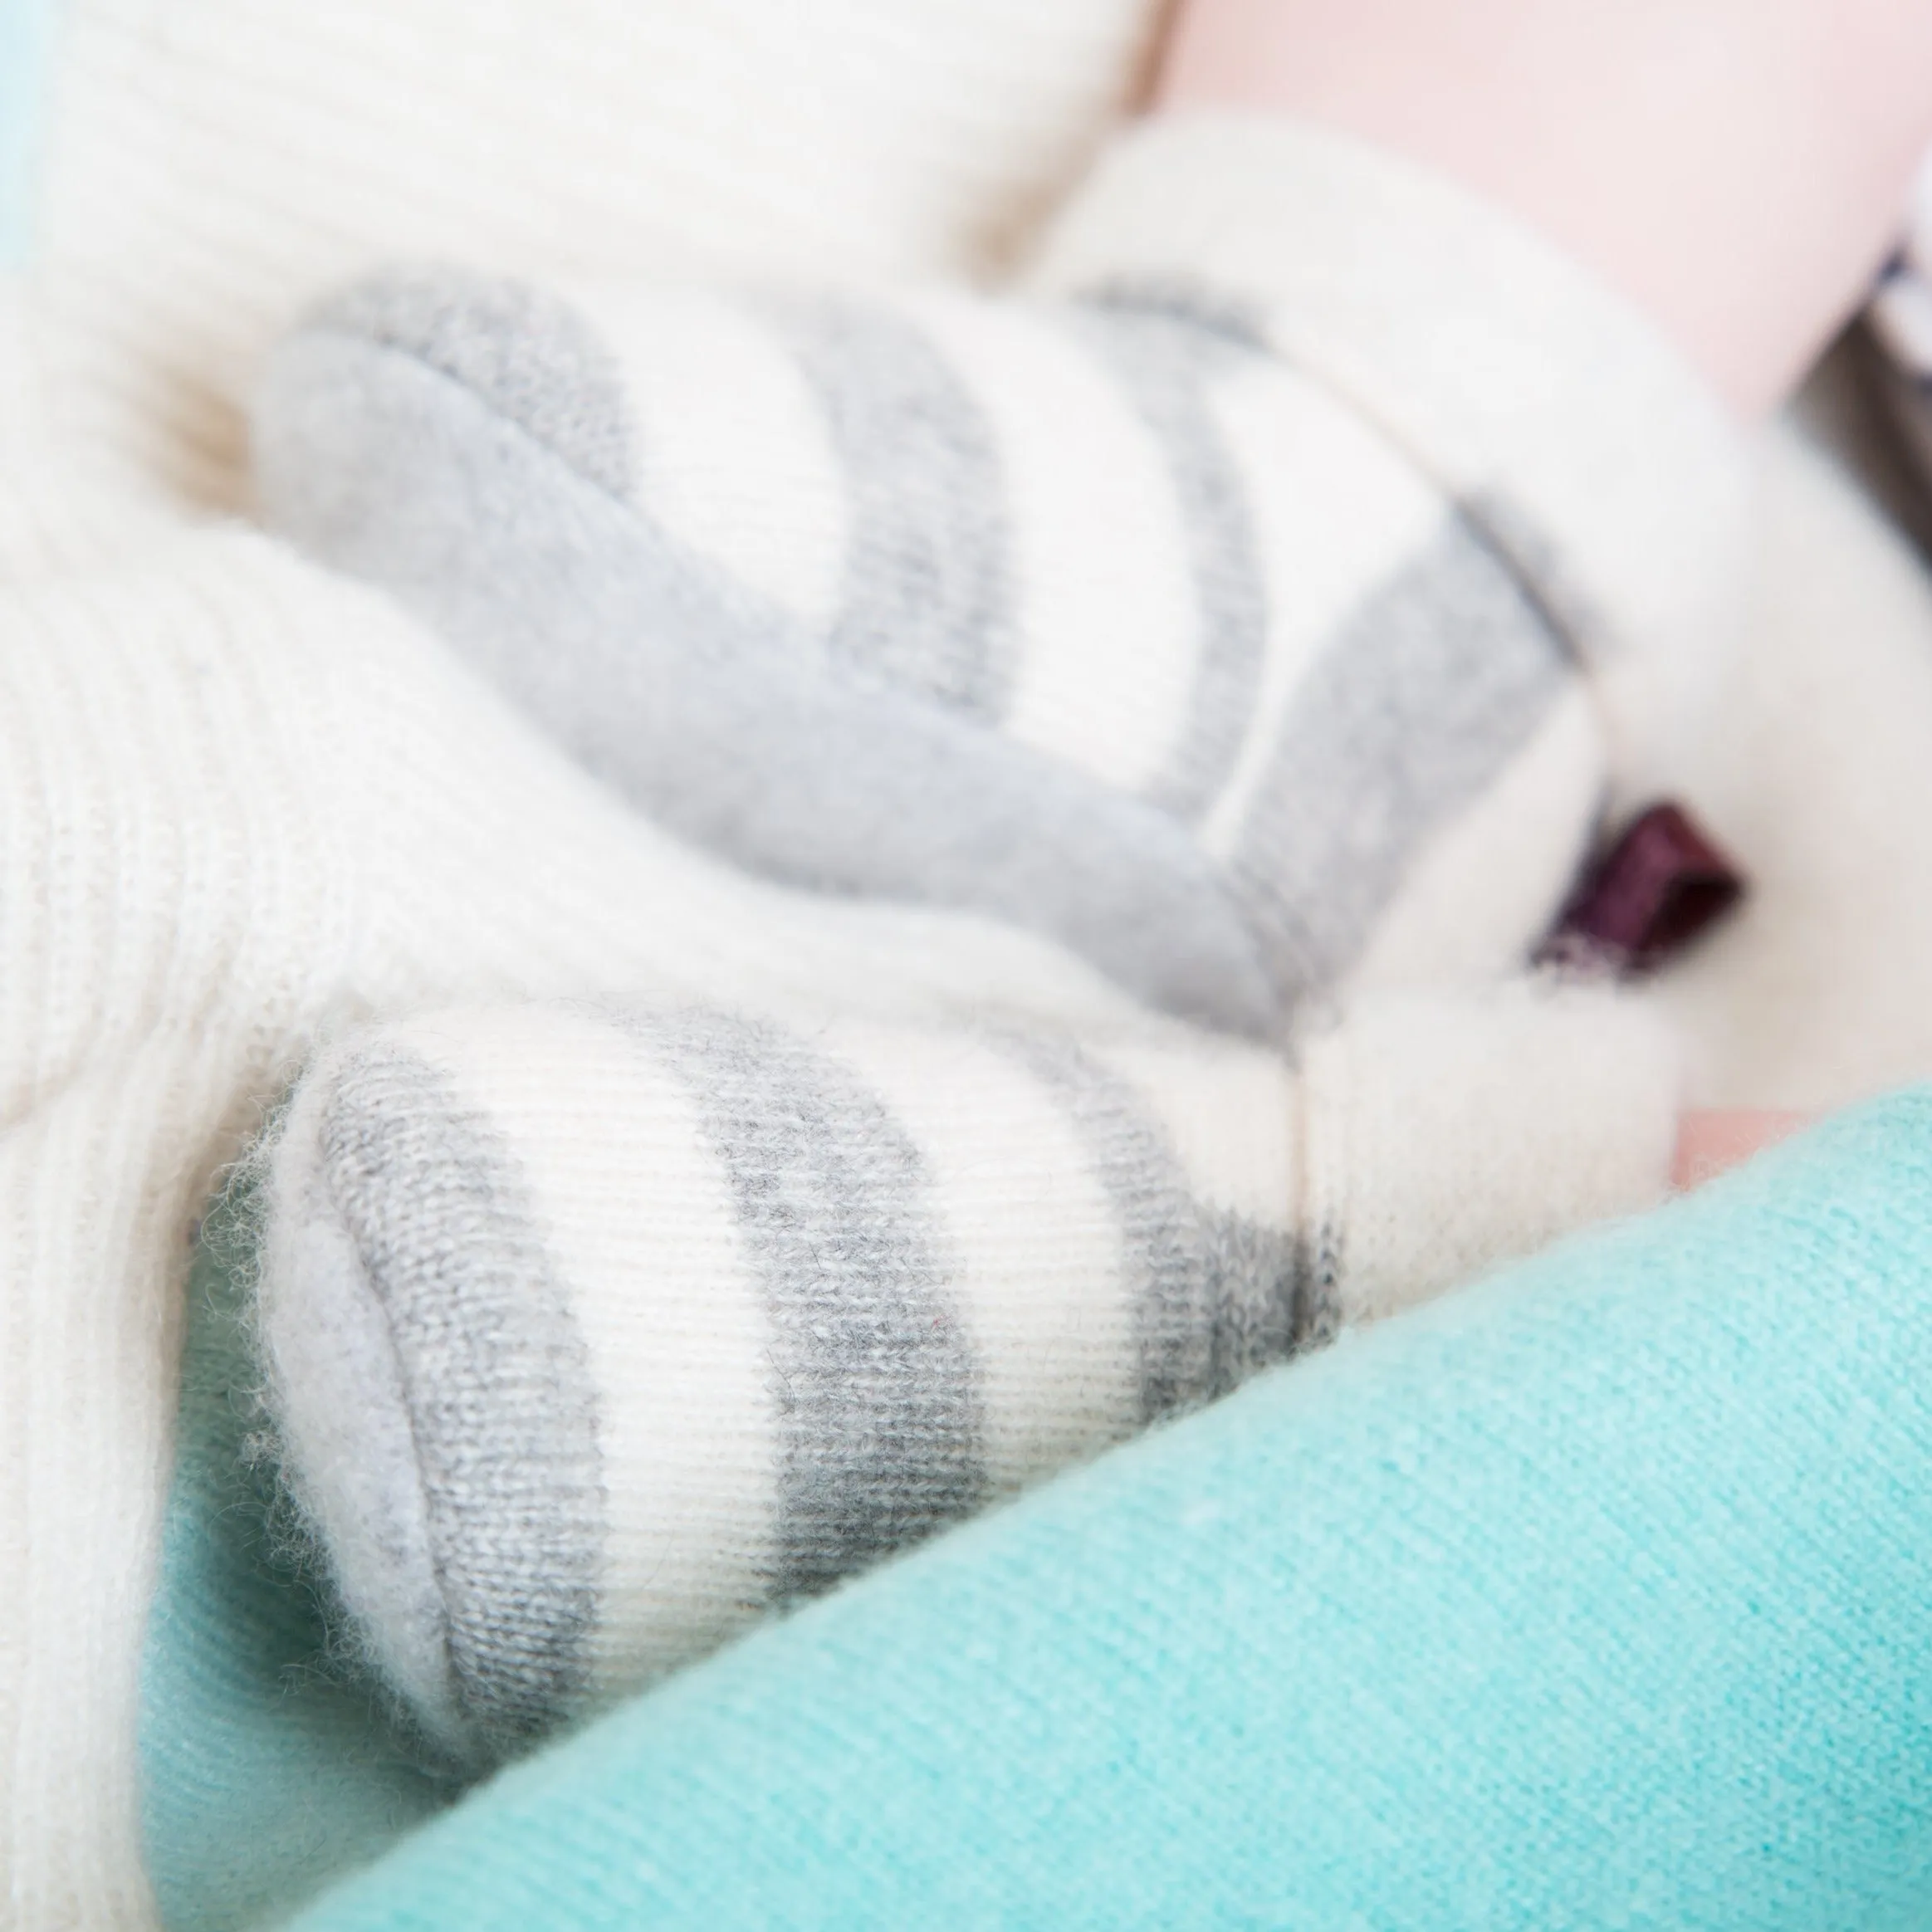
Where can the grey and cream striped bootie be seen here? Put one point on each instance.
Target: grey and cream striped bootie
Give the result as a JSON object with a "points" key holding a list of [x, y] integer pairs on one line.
{"points": [[591, 1333], [1096, 615]]}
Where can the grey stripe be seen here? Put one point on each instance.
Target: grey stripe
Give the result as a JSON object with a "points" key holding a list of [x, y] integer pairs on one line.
{"points": [[531, 357], [1267, 1299], [497, 1379], [1412, 712], [881, 1441], [1216, 1296], [928, 596], [1203, 306], [1164, 353], [714, 714], [1160, 1233]]}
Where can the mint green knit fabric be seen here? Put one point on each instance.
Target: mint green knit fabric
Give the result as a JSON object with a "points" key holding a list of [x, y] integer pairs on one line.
{"points": [[267, 1769], [1599, 1596]]}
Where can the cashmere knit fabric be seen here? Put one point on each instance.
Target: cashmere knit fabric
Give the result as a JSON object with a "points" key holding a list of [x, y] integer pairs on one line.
{"points": [[249, 804], [249, 807], [190, 898], [591, 1333], [242, 803], [1487, 357], [210, 167], [1095, 615], [1594, 1597]]}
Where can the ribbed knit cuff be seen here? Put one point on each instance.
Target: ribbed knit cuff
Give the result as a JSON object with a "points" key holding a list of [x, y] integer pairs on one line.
{"points": [[1535, 396], [1441, 1137]]}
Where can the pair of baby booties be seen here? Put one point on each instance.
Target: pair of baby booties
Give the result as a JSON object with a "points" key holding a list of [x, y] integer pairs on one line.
{"points": [[1092, 616]]}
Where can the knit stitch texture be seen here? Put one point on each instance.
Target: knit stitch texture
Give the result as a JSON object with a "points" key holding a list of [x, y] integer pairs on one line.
{"points": [[1598, 1595], [592, 1332], [1093, 615], [247, 806]]}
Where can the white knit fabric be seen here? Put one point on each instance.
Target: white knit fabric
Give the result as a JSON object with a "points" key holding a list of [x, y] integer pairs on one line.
{"points": [[241, 804], [214, 164], [1514, 379], [1409, 1204]]}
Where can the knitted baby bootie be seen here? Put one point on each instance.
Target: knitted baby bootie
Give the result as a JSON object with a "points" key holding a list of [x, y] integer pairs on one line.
{"points": [[593, 1333], [1092, 616], [1259, 605]]}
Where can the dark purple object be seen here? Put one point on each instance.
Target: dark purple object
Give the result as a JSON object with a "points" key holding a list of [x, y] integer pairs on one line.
{"points": [[1657, 888]]}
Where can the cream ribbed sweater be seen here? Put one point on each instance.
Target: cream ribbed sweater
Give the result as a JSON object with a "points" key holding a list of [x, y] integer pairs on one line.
{"points": [[212, 165]]}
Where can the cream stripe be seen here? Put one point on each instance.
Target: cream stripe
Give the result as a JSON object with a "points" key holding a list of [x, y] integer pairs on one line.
{"points": [[1229, 1113], [1165, 356], [643, 1229], [1107, 627], [735, 459], [1044, 1289]]}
